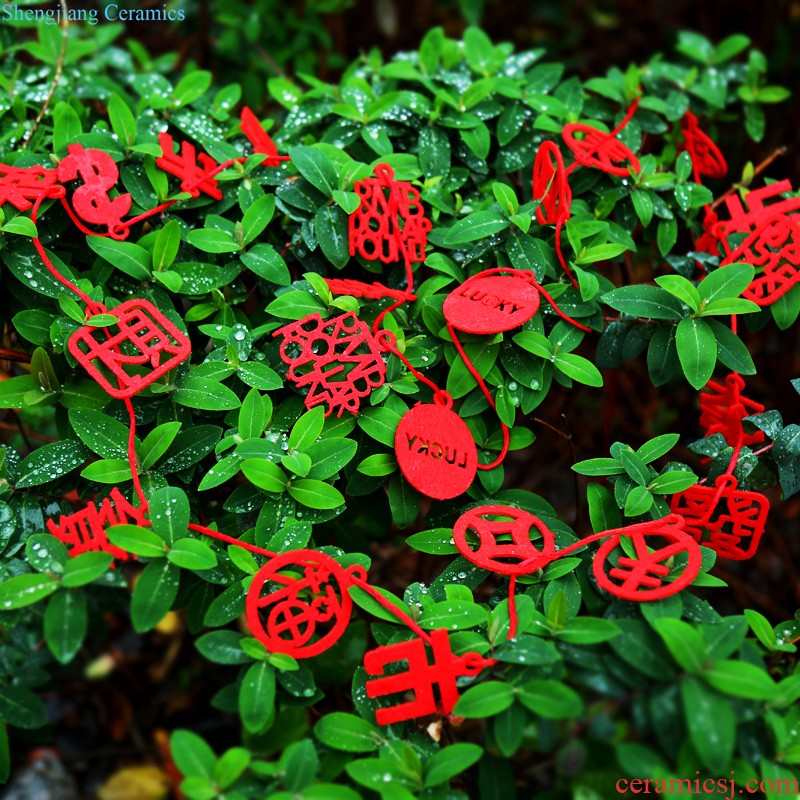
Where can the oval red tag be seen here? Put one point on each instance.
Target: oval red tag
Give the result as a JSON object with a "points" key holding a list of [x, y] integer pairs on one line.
{"points": [[435, 451], [491, 304]]}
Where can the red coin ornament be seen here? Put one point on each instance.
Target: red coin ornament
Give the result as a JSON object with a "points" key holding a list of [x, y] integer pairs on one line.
{"points": [[184, 165], [600, 150], [85, 530], [21, 187], [260, 139], [550, 186], [707, 159], [642, 578], [90, 202], [432, 683], [435, 451], [724, 518], [389, 223], [298, 603], [773, 248], [723, 407], [491, 304], [503, 538], [337, 359], [129, 355]]}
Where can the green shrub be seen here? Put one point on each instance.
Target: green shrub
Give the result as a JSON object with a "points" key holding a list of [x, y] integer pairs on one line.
{"points": [[592, 689]]}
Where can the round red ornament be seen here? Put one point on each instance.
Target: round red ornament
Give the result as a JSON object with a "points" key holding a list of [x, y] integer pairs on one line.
{"points": [[298, 603], [435, 451], [516, 557], [491, 304]]}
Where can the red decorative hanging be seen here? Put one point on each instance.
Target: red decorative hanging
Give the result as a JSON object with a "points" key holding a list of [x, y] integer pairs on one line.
{"points": [[728, 520], [90, 202], [184, 166], [260, 139], [491, 304], [492, 527], [642, 578], [600, 150], [20, 186], [371, 291], [85, 530], [423, 678], [338, 359], [759, 210], [436, 451], [707, 159], [142, 339], [298, 603], [550, 186], [375, 229], [723, 407], [773, 248]]}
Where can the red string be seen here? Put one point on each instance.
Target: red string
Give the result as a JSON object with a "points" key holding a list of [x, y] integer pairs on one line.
{"points": [[512, 607], [387, 341], [409, 282], [223, 537], [137, 484], [391, 608], [560, 254]]}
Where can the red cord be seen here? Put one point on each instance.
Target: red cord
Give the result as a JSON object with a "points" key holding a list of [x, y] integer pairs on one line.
{"points": [[391, 608]]}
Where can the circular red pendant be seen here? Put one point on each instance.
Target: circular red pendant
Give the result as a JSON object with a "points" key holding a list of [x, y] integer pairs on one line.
{"points": [[501, 540], [302, 613], [491, 304], [436, 451]]}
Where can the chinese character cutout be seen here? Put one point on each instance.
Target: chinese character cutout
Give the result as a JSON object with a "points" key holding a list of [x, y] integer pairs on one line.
{"points": [[85, 530], [707, 159], [762, 204], [600, 150], [774, 250], [298, 603], [724, 518], [723, 407], [90, 202], [550, 186], [643, 577], [129, 355], [21, 187], [435, 451], [503, 538], [184, 165], [432, 682], [338, 360], [260, 139], [389, 223]]}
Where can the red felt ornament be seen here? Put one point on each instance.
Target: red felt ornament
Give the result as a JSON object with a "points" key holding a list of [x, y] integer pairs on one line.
{"points": [[85, 530], [260, 139], [707, 159], [142, 339], [762, 205], [773, 248], [389, 223], [488, 524], [600, 150], [194, 178], [422, 677], [729, 520], [298, 603], [723, 407], [642, 577], [338, 359], [371, 291], [22, 186], [90, 202], [550, 186], [435, 450]]}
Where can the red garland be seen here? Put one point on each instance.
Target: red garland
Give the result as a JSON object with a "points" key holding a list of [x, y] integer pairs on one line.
{"points": [[420, 677], [338, 359]]}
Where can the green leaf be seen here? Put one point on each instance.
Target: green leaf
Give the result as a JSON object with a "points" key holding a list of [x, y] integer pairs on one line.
{"points": [[378, 465], [123, 123], [672, 482], [212, 240], [50, 462], [579, 369], [639, 501], [725, 282], [109, 470], [157, 442], [588, 630], [21, 708], [603, 510], [729, 48], [450, 762], [20, 226], [264, 474], [476, 226], [760, 626], [257, 697], [329, 456], [153, 595], [331, 231], [740, 679], [85, 568], [198, 392], [104, 435], [189, 553], [485, 700], [140, 541], [650, 302], [453, 615], [307, 429], [191, 87], [315, 494], [684, 643], [65, 623], [711, 723], [168, 241], [264, 261], [657, 447], [666, 236], [253, 415], [127, 257], [316, 168], [550, 699], [222, 647], [257, 217], [697, 351], [24, 590], [682, 288], [599, 466], [347, 732], [192, 756], [295, 305], [380, 424]]}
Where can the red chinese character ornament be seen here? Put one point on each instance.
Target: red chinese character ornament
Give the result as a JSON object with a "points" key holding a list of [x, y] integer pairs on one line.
{"points": [[707, 159], [136, 351], [21, 187], [298, 603], [184, 166], [723, 407], [431, 682], [389, 223], [338, 359], [729, 520], [600, 150], [260, 139]]}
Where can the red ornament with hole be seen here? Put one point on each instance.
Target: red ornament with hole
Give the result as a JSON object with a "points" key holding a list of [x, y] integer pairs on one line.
{"points": [[600, 150]]}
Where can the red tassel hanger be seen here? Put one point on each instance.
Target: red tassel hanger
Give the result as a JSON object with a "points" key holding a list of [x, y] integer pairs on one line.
{"points": [[707, 159]]}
